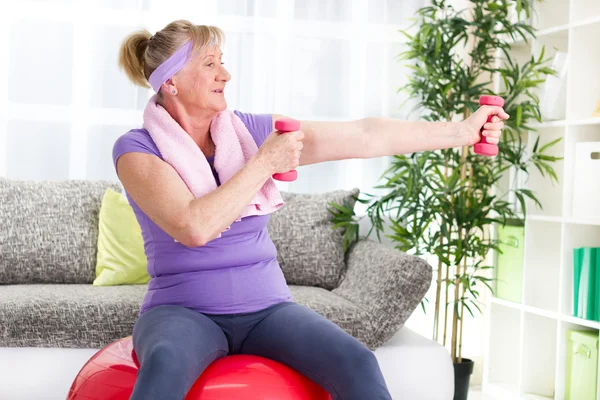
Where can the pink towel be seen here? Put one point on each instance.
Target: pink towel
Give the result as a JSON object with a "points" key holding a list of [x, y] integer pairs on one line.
{"points": [[234, 148]]}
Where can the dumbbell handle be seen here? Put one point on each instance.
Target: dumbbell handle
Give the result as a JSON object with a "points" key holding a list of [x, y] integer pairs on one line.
{"points": [[285, 125], [483, 147]]}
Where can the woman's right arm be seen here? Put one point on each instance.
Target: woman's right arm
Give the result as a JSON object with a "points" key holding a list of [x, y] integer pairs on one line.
{"points": [[159, 191]]}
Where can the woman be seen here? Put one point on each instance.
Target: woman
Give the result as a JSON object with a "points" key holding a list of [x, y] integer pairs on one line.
{"points": [[208, 298]]}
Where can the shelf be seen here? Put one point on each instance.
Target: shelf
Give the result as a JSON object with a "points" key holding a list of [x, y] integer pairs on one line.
{"points": [[552, 30], [519, 41], [580, 221], [539, 335], [555, 29], [580, 321], [504, 358], [550, 124], [585, 22], [531, 216], [561, 28], [540, 312], [539, 356], [542, 263], [544, 218], [567, 122], [587, 121], [506, 303], [545, 313]]}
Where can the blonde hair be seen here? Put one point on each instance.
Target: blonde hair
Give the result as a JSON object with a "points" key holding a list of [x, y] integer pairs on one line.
{"points": [[141, 53]]}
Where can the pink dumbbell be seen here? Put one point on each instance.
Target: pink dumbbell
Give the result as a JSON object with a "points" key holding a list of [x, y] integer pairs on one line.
{"points": [[483, 147], [287, 125]]}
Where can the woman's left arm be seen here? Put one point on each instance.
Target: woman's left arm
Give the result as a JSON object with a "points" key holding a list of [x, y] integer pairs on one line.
{"points": [[379, 136]]}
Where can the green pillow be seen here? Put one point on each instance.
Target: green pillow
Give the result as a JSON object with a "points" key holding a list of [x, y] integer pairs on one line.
{"points": [[121, 259]]}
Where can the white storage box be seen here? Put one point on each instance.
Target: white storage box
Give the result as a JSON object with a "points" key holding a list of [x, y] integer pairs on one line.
{"points": [[586, 181]]}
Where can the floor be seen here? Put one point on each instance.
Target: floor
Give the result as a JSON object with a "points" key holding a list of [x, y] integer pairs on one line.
{"points": [[475, 394]]}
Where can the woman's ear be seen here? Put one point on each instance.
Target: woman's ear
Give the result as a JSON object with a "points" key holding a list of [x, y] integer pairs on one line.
{"points": [[169, 87]]}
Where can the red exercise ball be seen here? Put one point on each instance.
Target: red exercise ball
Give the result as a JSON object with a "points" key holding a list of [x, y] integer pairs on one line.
{"points": [[111, 373]]}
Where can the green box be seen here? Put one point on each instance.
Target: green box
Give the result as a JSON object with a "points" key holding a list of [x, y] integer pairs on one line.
{"points": [[509, 263], [582, 365], [586, 285]]}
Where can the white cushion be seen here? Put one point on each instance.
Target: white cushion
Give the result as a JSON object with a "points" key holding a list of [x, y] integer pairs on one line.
{"points": [[416, 368], [413, 366]]}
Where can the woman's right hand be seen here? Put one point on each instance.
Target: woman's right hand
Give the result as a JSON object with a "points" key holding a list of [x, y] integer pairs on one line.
{"points": [[280, 152]]}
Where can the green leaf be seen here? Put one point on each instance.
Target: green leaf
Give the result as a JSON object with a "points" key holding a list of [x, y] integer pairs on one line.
{"points": [[519, 116], [532, 196], [468, 309], [522, 202], [548, 145], [548, 158], [406, 34], [342, 209], [537, 143]]}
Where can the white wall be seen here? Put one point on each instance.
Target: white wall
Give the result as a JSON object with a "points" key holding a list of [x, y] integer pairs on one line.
{"points": [[64, 101]]}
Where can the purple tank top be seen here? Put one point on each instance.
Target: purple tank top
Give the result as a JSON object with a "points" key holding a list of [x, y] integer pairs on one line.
{"points": [[236, 273]]}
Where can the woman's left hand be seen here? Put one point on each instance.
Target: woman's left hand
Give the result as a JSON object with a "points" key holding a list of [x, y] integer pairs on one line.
{"points": [[491, 130]]}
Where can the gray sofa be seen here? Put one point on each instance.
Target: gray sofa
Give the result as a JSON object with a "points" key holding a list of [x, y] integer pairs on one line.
{"points": [[48, 241]]}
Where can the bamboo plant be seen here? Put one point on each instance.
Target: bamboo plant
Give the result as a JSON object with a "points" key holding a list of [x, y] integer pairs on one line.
{"points": [[444, 203]]}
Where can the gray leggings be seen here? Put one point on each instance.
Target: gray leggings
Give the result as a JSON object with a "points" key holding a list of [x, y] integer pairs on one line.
{"points": [[175, 344]]}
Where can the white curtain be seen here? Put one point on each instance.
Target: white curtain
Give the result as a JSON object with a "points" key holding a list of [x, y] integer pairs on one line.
{"points": [[64, 101]]}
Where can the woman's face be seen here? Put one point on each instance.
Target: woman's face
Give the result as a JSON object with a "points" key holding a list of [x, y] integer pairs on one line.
{"points": [[201, 82]]}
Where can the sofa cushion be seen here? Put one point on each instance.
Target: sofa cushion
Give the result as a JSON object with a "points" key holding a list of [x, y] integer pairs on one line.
{"points": [[121, 259], [73, 316], [49, 230], [86, 316], [309, 251], [344, 313]]}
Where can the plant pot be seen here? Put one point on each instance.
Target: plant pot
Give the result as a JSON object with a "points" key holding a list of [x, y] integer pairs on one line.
{"points": [[462, 377]]}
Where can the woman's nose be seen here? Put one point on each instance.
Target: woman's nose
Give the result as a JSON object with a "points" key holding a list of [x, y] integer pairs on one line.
{"points": [[224, 75]]}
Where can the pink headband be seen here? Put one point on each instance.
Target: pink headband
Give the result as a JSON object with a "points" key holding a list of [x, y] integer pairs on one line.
{"points": [[170, 67]]}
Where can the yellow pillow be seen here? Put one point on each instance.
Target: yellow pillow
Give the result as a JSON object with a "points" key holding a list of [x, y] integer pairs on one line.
{"points": [[121, 259]]}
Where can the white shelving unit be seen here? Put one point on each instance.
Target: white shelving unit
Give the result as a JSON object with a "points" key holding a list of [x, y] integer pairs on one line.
{"points": [[526, 352]]}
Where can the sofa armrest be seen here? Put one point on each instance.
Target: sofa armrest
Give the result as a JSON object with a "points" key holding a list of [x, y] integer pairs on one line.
{"points": [[387, 283]]}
